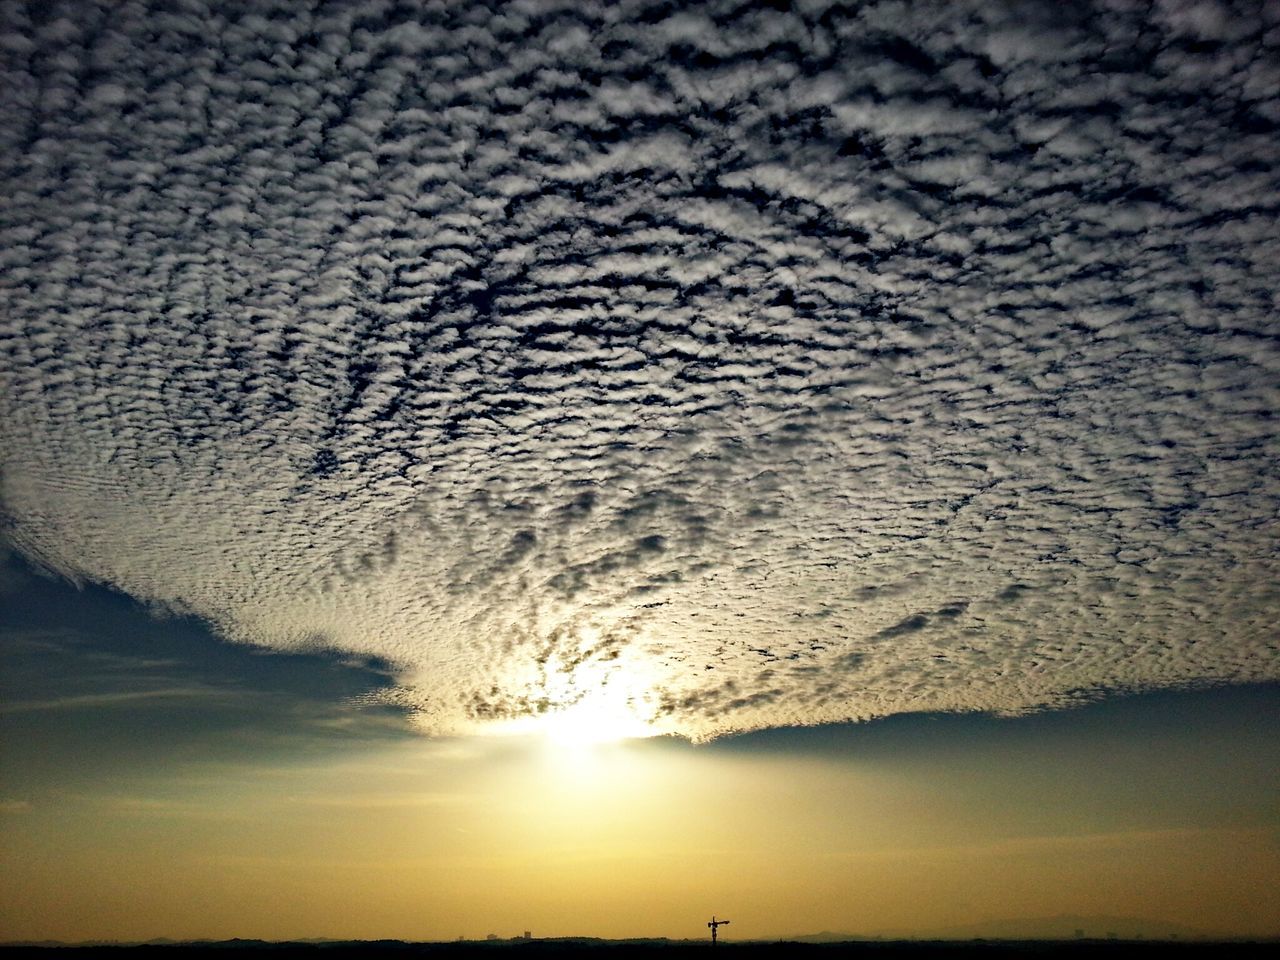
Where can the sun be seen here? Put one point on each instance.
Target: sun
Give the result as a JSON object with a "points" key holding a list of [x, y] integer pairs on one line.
{"points": [[597, 718], [604, 714], [587, 704]]}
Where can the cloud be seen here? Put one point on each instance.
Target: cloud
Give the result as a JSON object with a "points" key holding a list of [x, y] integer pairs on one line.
{"points": [[105, 700], [766, 367]]}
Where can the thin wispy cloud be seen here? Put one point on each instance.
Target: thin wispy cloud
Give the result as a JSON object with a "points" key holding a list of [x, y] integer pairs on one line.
{"points": [[758, 366], [97, 701]]}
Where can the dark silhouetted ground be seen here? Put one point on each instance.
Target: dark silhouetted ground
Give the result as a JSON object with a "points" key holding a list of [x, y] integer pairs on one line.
{"points": [[665, 949]]}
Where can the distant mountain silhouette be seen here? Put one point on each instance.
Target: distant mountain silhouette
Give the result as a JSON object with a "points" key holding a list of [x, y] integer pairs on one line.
{"points": [[1061, 927], [827, 936], [1064, 927]]}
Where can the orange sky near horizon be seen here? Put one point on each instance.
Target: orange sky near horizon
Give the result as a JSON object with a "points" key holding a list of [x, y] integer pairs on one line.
{"points": [[432, 840]]}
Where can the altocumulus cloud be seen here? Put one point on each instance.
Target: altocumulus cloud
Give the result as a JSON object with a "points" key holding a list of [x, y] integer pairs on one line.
{"points": [[760, 364]]}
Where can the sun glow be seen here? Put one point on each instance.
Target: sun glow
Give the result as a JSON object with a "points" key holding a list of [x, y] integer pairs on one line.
{"points": [[596, 718], [605, 714], [587, 704]]}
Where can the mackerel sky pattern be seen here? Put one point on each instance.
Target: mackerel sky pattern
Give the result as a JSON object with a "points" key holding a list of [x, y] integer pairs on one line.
{"points": [[755, 364]]}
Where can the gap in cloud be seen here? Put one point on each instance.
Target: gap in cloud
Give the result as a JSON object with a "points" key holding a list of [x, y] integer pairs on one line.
{"points": [[92, 680]]}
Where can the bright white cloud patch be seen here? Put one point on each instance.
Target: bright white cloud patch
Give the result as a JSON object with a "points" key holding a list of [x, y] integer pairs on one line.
{"points": [[718, 366]]}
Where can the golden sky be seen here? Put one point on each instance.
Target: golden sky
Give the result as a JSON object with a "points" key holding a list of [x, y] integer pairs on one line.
{"points": [[901, 829]]}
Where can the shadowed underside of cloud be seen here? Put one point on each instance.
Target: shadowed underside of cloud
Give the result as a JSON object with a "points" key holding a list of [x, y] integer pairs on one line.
{"points": [[755, 366]]}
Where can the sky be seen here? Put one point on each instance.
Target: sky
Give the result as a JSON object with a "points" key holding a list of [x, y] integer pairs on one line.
{"points": [[581, 467]]}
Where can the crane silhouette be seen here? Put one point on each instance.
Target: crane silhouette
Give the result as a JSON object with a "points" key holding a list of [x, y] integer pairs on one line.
{"points": [[713, 923]]}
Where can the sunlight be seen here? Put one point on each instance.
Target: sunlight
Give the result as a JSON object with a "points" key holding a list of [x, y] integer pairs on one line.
{"points": [[607, 714], [595, 719], [588, 704]]}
